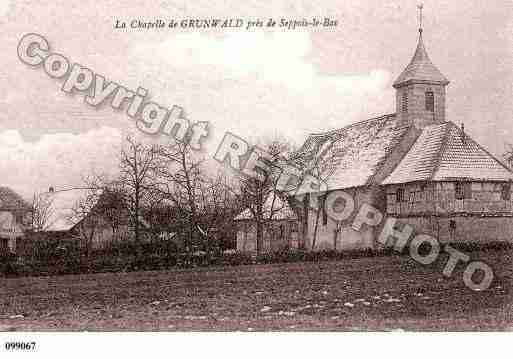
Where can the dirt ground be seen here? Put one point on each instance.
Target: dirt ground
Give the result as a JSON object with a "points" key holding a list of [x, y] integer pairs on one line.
{"points": [[373, 293]]}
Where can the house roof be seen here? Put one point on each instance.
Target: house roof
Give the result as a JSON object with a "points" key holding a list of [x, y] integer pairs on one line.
{"points": [[351, 156], [10, 200], [273, 204], [444, 152], [421, 68], [61, 216]]}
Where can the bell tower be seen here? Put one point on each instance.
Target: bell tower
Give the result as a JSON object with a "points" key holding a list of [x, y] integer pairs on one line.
{"points": [[420, 89]]}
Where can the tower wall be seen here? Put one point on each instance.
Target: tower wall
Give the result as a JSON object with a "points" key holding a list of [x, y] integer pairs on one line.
{"points": [[416, 109]]}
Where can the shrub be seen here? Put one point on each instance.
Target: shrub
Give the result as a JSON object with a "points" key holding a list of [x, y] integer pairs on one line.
{"points": [[159, 255]]}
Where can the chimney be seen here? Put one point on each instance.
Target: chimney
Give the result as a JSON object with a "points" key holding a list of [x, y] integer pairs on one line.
{"points": [[463, 136], [51, 189]]}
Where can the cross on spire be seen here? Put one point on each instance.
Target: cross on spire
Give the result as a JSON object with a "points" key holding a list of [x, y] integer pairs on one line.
{"points": [[420, 7]]}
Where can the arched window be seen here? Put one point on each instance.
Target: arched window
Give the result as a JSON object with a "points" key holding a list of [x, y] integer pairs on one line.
{"points": [[430, 101], [405, 102]]}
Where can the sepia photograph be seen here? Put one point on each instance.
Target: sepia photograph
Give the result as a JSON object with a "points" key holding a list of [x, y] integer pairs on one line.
{"points": [[192, 170]]}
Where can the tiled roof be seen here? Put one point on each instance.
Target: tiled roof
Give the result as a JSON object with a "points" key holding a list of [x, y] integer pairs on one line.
{"points": [[421, 68], [10, 200], [444, 152], [280, 208], [351, 156], [419, 163], [61, 216]]}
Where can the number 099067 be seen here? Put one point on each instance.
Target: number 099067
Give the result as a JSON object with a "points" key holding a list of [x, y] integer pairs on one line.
{"points": [[14, 346]]}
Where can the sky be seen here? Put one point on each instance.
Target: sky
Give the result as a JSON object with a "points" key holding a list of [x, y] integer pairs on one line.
{"points": [[251, 83]]}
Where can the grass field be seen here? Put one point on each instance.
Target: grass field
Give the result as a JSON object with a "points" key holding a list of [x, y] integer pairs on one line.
{"points": [[371, 293]]}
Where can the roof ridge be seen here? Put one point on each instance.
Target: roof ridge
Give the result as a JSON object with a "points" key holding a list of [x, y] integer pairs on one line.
{"points": [[382, 117], [398, 142], [443, 147]]}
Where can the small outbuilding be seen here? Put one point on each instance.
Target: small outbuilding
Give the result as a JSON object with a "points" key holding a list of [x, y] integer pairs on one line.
{"points": [[279, 227]]}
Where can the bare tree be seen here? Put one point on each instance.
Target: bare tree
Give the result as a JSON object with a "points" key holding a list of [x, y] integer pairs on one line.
{"points": [[254, 192], [112, 206], [155, 212], [321, 167], [138, 165], [180, 178], [218, 206], [86, 217], [41, 212], [508, 155]]}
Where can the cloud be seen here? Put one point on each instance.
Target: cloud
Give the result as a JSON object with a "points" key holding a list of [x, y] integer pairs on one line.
{"points": [[59, 160], [278, 57], [4, 7], [259, 83]]}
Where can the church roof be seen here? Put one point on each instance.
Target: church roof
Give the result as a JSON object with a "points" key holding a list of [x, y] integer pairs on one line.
{"points": [[351, 156], [421, 68], [444, 152]]}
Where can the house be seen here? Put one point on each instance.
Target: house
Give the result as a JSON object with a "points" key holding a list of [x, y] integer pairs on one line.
{"points": [[414, 166], [14, 219], [96, 218]]}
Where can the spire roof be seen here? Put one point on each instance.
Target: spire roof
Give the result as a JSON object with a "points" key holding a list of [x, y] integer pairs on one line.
{"points": [[421, 68]]}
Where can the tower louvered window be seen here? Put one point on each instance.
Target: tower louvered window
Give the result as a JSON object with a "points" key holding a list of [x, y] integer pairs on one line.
{"points": [[430, 101], [405, 102]]}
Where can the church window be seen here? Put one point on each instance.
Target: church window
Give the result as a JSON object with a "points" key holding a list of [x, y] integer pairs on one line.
{"points": [[430, 101], [452, 224], [463, 190], [399, 195], [405, 102], [506, 191], [459, 190]]}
